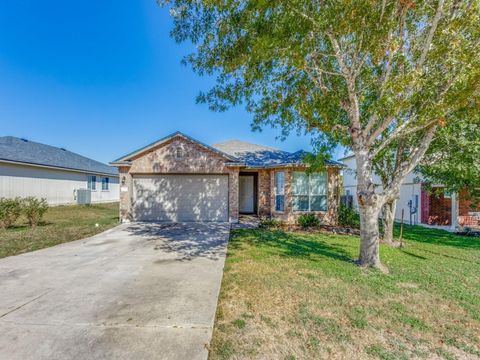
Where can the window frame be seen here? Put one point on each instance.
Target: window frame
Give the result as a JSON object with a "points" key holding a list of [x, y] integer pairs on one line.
{"points": [[92, 182], [105, 183], [179, 153], [309, 195], [276, 193]]}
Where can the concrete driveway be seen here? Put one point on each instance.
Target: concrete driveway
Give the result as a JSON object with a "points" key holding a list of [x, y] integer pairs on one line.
{"points": [[139, 291]]}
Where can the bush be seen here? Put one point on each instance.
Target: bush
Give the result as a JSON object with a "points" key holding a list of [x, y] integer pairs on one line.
{"points": [[10, 210], [348, 217], [271, 224], [34, 209], [308, 220]]}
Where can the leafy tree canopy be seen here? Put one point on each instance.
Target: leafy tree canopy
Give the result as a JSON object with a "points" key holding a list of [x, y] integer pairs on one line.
{"points": [[453, 158], [305, 64]]}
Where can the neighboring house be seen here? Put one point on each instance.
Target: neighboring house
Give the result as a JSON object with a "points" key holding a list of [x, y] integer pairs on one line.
{"points": [[179, 179], [29, 168], [419, 206]]}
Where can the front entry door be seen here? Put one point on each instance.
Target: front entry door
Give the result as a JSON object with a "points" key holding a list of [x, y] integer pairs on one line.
{"points": [[246, 194]]}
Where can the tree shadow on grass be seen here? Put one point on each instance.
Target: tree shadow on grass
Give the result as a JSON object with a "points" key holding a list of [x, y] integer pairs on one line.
{"points": [[289, 245], [437, 237]]}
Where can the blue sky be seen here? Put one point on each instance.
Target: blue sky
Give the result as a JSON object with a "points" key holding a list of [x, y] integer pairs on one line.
{"points": [[102, 78]]}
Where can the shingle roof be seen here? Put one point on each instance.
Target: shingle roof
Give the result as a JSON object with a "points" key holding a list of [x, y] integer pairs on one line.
{"points": [[263, 156], [30, 152]]}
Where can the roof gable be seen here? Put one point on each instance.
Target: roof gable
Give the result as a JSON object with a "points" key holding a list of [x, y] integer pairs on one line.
{"points": [[155, 145], [23, 151]]}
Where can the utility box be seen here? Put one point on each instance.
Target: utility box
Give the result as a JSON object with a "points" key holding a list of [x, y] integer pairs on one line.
{"points": [[84, 197]]}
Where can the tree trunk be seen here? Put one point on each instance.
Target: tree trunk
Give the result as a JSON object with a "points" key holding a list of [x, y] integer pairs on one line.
{"points": [[388, 221], [369, 236], [369, 204]]}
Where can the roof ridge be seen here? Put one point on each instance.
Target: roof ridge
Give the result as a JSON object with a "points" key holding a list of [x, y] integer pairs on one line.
{"points": [[245, 142]]}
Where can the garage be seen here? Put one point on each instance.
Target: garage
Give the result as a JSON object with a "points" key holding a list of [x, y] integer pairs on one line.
{"points": [[180, 198]]}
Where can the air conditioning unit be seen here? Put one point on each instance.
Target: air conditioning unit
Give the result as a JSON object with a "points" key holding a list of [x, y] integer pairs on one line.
{"points": [[84, 196]]}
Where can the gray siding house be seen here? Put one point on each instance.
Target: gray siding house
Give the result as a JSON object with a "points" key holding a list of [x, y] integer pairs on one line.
{"points": [[29, 168]]}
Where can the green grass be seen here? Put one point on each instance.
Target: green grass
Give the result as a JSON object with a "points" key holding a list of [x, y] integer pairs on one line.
{"points": [[61, 224], [299, 295]]}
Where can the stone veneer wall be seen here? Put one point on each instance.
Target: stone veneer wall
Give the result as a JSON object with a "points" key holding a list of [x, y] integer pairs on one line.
{"points": [[195, 159], [264, 193], [326, 217]]}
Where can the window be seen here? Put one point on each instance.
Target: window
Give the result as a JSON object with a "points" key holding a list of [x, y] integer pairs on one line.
{"points": [[92, 183], [178, 153], [105, 183], [279, 191], [309, 191]]}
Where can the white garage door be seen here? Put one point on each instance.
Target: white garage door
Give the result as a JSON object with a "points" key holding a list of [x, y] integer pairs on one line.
{"points": [[180, 198]]}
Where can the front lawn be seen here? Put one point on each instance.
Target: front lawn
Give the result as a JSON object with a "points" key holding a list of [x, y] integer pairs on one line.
{"points": [[300, 296], [60, 224]]}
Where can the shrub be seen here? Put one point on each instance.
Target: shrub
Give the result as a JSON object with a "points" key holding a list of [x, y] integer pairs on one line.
{"points": [[10, 210], [308, 220], [348, 217], [270, 224], [34, 209]]}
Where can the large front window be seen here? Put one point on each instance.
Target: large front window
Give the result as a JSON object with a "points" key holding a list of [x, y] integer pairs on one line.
{"points": [[309, 191]]}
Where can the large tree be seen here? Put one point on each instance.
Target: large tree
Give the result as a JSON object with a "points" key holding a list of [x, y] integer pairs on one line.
{"points": [[360, 73]]}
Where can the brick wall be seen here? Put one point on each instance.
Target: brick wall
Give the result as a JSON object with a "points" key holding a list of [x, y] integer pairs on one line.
{"points": [[437, 210], [465, 204], [125, 179], [264, 193], [440, 210]]}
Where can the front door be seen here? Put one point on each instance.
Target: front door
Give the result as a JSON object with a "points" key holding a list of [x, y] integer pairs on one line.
{"points": [[246, 194]]}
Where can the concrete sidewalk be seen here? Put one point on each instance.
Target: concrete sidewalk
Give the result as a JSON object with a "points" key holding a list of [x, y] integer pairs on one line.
{"points": [[139, 291]]}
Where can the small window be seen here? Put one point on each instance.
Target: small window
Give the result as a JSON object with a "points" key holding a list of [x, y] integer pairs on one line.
{"points": [[279, 191], [92, 183], [105, 183], [178, 153]]}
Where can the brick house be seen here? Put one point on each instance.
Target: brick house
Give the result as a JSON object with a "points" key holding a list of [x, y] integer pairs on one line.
{"points": [[437, 208], [179, 179]]}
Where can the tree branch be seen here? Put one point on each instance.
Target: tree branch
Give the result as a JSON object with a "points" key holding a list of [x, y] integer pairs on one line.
{"points": [[399, 133], [407, 167], [354, 107], [429, 39], [380, 129]]}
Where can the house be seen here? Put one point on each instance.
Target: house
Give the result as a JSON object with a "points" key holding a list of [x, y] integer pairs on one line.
{"points": [[420, 206], [28, 168], [180, 179]]}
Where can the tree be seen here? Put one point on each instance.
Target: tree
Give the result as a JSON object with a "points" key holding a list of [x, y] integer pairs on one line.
{"points": [[453, 160], [361, 73]]}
